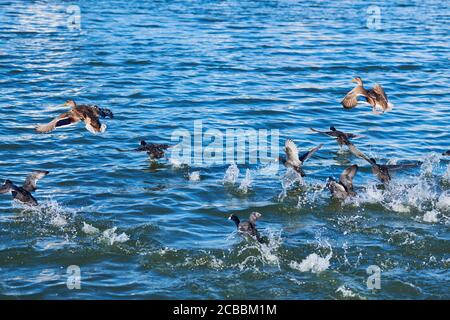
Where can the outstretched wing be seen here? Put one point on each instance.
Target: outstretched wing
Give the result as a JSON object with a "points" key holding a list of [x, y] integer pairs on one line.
{"points": [[5, 188], [63, 120], [309, 154], [291, 151], [393, 167], [32, 179], [322, 132], [351, 99], [378, 89], [347, 175], [353, 149]]}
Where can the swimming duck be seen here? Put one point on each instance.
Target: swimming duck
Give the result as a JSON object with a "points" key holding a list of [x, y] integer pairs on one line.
{"points": [[292, 159], [23, 194], [446, 153], [344, 187], [376, 97], [248, 227], [90, 114], [341, 137], [382, 171], [154, 150]]}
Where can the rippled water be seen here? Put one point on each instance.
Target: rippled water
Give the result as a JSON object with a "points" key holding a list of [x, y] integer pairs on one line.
{"points": [[139, 230]]}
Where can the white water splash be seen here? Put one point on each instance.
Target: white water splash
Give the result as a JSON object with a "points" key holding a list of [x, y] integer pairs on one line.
{"points": [[232, 174], [431, 216], [194, 176], [246, 183], [110, 236], [290, 178], [88, 229], [346, 293], [313, 263]]}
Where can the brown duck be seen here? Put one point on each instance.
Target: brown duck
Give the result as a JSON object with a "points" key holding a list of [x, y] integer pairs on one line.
{"points": [[90, 114], [344, 187], [376, 97]]}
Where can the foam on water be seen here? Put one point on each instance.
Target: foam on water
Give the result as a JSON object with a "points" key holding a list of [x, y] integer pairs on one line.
{"points": [[89, 229], [194, 176], [110, 236], [313, 263]]}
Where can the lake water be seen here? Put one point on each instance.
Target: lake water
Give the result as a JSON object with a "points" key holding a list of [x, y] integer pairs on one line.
{"points": [[275, 65]]}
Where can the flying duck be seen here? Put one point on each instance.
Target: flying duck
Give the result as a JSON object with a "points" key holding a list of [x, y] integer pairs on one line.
{"points": [[154, 150], [344, 187], [341, 137], [292, 159], [248, 227], [23, 193], [376, 97], [382, 171], [90, 114]]}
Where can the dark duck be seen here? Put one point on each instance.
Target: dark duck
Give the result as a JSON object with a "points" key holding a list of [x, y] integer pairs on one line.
{"points": [[248, 227], [23, 193], [341, 137], [154, 150]]}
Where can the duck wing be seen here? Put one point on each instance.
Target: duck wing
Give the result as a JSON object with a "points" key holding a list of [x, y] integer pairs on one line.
{"points": [[393, 167], [351, 99], [32, 179], [310, 153], [65, 119], [291, 152], [353, 149], [346, 178], [381, 96], [328, 133]]}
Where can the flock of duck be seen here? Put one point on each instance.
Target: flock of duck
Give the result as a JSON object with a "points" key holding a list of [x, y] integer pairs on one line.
{"points": [[341, 189]]}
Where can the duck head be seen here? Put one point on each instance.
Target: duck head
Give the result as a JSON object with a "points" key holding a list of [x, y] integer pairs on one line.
{"points": [[332, 128], [70, 103], [358, 80]]}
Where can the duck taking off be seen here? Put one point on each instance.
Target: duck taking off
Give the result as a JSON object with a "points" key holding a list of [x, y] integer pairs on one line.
{"points": [[376, 97], [90, 114], [292, 159], [248, 227], [23, 193], [154, 150], [341, 137], [344, 187], [382, 171]]}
